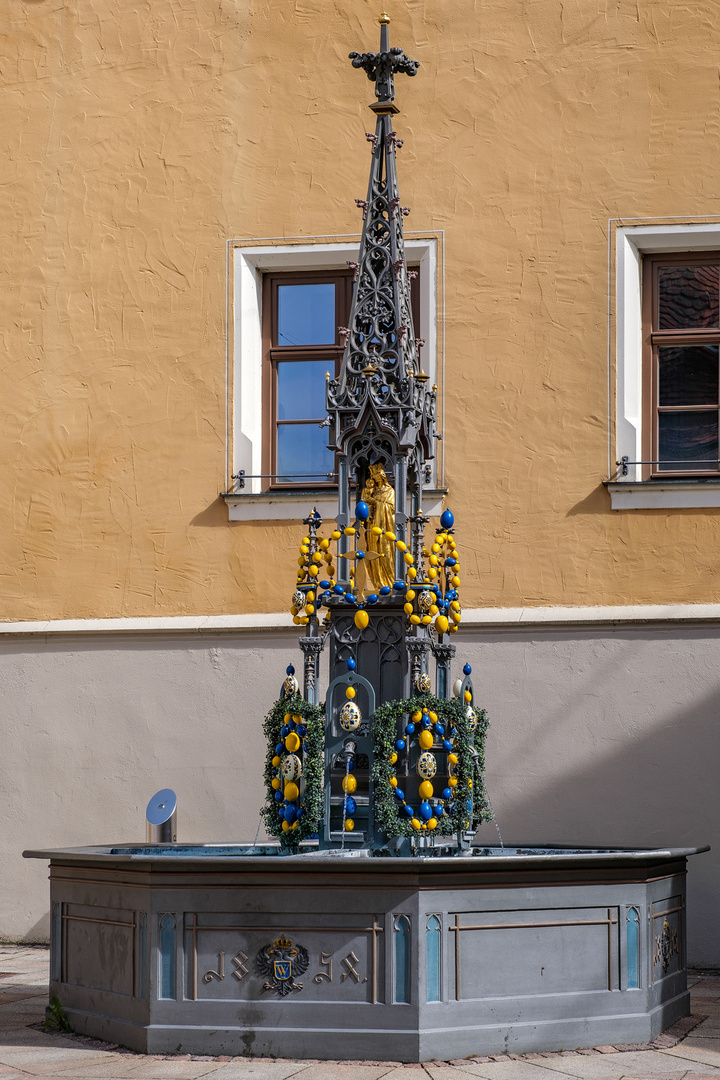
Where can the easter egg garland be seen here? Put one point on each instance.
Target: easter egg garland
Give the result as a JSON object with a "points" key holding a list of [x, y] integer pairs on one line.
{"points": [[294, 772], [396, 814]]}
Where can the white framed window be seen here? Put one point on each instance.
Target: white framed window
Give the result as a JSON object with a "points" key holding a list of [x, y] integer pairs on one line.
{"points": [[248, 263], [633, 486]]}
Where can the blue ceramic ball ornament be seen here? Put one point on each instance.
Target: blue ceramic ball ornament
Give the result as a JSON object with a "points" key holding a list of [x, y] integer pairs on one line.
{"points": [[362, 511], [447, 519]]}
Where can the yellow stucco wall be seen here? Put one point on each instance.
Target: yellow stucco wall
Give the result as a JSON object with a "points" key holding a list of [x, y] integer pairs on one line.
{"points": [[141, 136]]}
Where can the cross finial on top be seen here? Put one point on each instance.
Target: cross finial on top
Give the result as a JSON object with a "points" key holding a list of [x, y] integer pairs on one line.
{"points": [[380, 67]]}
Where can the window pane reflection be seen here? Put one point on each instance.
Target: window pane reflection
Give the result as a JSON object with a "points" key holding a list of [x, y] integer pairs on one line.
{"points": [[688, 375], [306, 314], [687, 296], [301, 389], [301, 449], [687, 439]]}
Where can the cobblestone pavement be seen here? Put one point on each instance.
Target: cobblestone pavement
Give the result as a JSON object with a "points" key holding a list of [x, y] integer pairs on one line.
{"points": [[691, 1049]]}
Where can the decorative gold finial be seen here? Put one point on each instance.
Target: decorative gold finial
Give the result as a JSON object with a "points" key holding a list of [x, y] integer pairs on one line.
{"points": [[384, 19]]}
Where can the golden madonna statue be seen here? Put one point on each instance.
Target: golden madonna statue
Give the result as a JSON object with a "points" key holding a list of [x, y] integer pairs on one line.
{"points": [[380, 497]]}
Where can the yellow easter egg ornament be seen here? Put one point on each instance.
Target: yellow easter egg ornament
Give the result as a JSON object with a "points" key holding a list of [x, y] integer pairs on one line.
{"points": [[441, 624], [291, 792], [361, 619], [425, 739], [349, 784], [349, 824], [292, 742]]}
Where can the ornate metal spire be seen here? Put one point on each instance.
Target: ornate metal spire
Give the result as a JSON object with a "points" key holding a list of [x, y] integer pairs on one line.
{"points": [[380, 407]]}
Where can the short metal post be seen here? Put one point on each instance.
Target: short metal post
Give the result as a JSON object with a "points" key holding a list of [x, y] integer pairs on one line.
{"points": [[161, 815]]}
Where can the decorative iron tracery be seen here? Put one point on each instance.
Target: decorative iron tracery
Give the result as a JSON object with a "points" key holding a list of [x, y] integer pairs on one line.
{"points": [[380, 406]]}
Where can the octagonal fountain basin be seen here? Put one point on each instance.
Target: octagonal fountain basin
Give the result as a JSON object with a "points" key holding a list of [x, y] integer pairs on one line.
{"points": [[237, 949]]}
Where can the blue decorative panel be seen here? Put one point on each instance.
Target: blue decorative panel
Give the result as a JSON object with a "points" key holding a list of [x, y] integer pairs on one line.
{"points": [[632, 939], [142, 948], [432, 946], [167, 956], [402, 960]]}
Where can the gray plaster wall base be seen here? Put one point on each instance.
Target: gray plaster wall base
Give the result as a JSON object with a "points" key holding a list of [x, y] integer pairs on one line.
{"points": [[213, 950]]}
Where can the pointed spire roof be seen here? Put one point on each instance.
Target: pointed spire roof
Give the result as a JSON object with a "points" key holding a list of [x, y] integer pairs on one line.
{"points": [[380, 381]]}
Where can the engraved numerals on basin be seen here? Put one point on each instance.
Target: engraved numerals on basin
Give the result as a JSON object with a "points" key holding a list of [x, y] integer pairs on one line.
{"points": [[309, 963]]}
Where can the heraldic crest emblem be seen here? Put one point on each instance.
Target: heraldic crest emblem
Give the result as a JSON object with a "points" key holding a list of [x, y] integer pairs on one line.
{"points": [[281, 962]]}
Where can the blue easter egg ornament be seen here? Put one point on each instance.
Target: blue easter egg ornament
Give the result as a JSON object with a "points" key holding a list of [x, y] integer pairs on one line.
{"points": [[447, 793], [439, 730], [301, 730], [281, 813], [399, 586], [447, 745], [447, 519], [385, 590], [439, 811], [338, 590], [349, 598], [467, 670], [362, 511], [350, 804], [278, 796], [400, 744], [284, 731], [426, 811], [409, 811], [372, 598], [299, 813], [289, 670], [409, 728], [350, 664], [290, 814], [279, 748], [399, 794]]}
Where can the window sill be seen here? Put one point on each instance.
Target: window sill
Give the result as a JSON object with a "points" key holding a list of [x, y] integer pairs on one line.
{"points": [[663, 494], [297, 504]]}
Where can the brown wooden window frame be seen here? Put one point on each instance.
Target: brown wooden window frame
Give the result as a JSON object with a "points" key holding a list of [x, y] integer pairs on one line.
{"points": [[273, 353], [652, 339]]}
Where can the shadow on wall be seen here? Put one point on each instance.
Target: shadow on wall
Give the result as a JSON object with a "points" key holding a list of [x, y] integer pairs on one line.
{"points": [[620, 750], [39, 934]]}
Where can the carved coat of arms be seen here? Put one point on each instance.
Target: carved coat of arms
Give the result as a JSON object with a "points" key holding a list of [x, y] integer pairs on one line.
{"points": [[281, 963]]}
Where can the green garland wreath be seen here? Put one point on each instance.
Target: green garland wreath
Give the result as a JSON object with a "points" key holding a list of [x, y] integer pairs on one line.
{"points": [[385, 731], [313, 754]]}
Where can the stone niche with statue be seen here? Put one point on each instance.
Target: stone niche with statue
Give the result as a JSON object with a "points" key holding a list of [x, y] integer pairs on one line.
{"points": [[372, 925]]}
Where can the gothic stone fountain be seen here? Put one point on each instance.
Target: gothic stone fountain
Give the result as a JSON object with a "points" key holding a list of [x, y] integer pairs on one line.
{"points": [[372, 927]]}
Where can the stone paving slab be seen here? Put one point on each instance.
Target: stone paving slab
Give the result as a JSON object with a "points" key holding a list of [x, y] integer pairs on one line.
{"points": [[260, 1070], [705, 1051]]}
